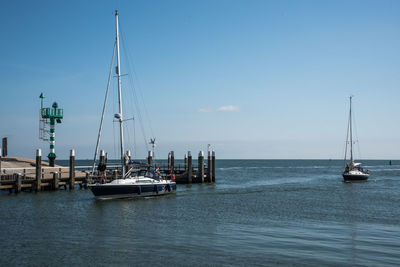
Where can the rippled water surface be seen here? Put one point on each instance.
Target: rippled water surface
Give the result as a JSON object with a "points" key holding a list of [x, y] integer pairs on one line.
{"points": [[259, 212]]}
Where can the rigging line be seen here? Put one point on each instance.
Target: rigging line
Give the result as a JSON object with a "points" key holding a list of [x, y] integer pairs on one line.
{"points": [[127, 138], [104, 109], [141, 121], [129, 55], [356, 134], [115, 147], [125, 105], [134, 139], [128, 132], [114, 109], [129, 103], [132, 84], [138, 112], [347, 137]]}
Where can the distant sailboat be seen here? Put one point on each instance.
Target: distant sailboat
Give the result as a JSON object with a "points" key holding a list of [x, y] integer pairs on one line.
{"points": [[353, 171]]}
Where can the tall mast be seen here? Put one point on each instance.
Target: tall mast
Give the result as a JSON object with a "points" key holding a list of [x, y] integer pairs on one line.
{"points": [[121, 129], [351, 135]]}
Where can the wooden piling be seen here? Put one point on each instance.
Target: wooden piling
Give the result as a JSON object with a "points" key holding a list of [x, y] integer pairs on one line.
{"points": [[72, 170], [86, 181], [18, 184], [169, 160], [213, 165], [189, 166], [150, 158], [102, 157], [172, 161], [200, 168], [4, 147], [128, 153], [185, 160], [127, 159], [209, 167], [38, 170], [55, 181]]}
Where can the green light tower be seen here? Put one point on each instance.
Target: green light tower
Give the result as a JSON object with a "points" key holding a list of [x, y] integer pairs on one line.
{"points": [[53, 114]]}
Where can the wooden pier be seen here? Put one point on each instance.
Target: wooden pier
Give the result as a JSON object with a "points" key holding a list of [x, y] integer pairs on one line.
{"points": [[36, 175]]}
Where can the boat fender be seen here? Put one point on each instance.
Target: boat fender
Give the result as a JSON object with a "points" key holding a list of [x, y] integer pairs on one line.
{"points": [[173, 177], [169, 187], [140, 190]]}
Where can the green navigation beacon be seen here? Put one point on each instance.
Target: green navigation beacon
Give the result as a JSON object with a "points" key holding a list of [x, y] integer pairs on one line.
{"points": [[49, 116]]}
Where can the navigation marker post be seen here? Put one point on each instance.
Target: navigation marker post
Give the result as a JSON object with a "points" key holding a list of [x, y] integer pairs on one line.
{"points": [[50, 116]]}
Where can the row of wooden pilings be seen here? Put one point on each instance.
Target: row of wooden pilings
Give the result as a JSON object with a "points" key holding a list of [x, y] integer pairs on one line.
{"points": [[55, 178], [186, 175], [204, 173]]}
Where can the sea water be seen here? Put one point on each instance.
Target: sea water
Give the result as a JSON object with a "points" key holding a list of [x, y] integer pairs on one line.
{"points": [[258, 213]]}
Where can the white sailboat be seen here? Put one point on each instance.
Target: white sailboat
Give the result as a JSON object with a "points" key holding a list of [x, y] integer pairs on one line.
{"points": [[129, 184], [353, 171]]}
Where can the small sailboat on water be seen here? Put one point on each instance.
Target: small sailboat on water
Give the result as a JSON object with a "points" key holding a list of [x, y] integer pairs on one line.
{"points": [[352, 171], [130, 182]]}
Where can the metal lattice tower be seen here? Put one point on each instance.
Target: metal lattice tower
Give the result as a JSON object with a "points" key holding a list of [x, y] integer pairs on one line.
{"points": [[53, 114]]}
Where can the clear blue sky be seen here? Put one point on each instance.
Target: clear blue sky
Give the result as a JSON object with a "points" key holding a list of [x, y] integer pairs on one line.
{"points": [[256, 79]]}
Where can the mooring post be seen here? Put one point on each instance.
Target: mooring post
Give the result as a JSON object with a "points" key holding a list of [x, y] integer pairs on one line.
{"points": [[72, 169], [102, 157], [209, 167], [101, 163], [169, 160], [185, 160], [38, 171], [102, 169], [128, 159], [0, 161], [189, 172], [213, 166], [18, 182], [55, 180], [201, 166], [85, 182], [150, 158], [172, 161], [4, 147]]}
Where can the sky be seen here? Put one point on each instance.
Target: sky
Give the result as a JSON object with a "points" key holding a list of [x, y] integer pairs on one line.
{"points": [[254, 79]]}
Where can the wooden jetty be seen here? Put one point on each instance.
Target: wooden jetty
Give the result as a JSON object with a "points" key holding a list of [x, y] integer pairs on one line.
{"points": [[21, 174]]}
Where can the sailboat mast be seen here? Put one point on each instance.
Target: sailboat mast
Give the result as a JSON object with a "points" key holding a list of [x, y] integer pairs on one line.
{"points": [[351, 135], [121, 129]]}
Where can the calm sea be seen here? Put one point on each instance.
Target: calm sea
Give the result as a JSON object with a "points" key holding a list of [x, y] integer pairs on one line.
{"points": [[258, 213]]}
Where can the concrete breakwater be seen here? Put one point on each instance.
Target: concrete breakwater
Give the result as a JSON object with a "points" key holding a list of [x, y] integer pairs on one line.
{"points": [[35, 175]]}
